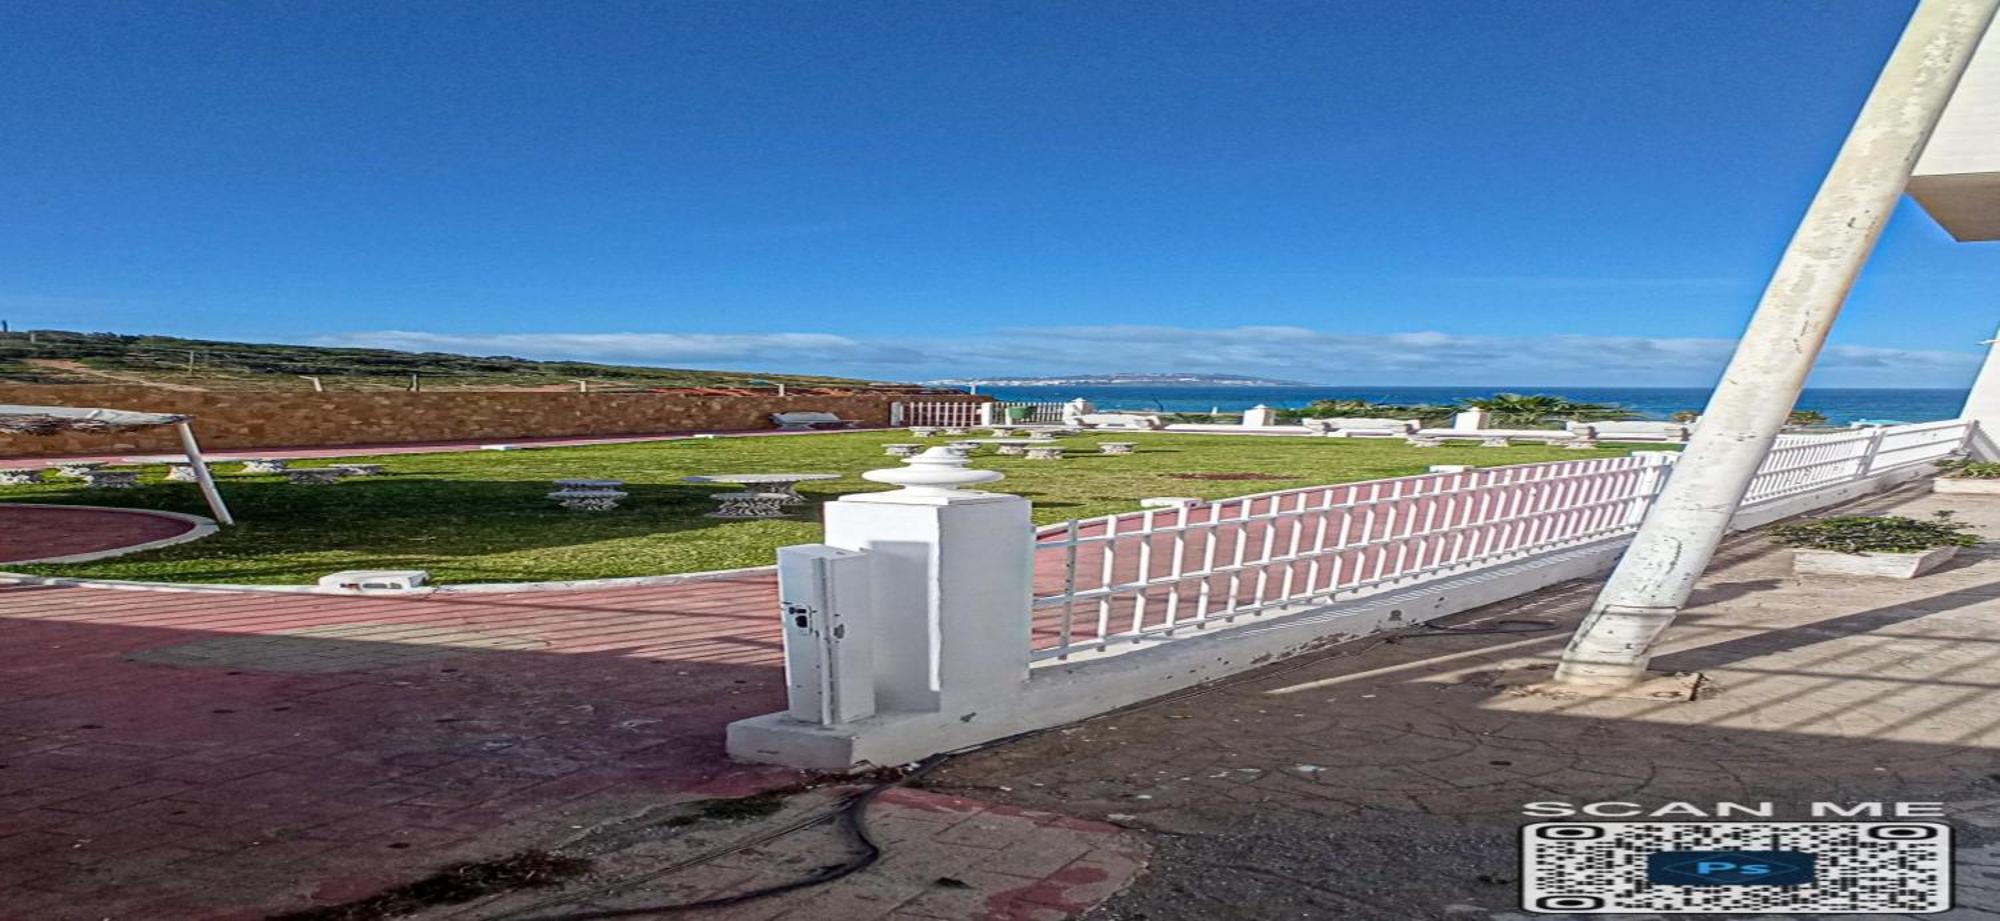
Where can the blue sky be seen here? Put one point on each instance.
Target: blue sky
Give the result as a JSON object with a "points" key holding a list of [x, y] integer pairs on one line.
{"points": [[1524, 192]]}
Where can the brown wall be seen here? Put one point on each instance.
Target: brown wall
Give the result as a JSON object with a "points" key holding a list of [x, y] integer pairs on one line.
{"points": [[239, 419]]}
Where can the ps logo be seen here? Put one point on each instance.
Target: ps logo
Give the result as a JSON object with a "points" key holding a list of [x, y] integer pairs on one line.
{"points": [[1729, 868]]}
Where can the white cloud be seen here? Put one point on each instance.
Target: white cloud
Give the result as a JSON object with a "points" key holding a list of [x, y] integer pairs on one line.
{"points": [[1415, 357]]}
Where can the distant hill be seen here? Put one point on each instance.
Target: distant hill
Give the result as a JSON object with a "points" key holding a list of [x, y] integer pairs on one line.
{"points": [[1113, 380], [60, 357]]}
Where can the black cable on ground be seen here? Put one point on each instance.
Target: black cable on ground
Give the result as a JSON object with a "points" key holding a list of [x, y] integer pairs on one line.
{"points": [[852, 813], [1492, 627]]}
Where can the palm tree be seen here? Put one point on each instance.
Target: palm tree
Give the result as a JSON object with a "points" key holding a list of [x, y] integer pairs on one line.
{"points": [[1427, 413], [1517, 410]]}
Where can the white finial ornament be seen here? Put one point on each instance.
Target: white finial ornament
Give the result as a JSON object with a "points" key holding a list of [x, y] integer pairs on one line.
{"points": [[938, 471]]}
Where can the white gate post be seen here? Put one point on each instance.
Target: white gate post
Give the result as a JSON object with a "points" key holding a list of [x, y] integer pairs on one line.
{"points": [[952, 572], [986, 413], [896, 415], [949, 595]]}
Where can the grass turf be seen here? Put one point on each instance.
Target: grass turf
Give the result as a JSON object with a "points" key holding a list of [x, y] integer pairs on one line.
{"points": [[483, 516]]}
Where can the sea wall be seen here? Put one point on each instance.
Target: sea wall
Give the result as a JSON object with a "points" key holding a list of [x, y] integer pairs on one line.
{"points": [[281, 419]]}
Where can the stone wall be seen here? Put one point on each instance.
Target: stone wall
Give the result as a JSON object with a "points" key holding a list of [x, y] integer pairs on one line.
{"points": [[292, 419]]}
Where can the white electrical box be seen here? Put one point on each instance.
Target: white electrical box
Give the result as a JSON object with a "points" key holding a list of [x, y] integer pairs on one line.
{"points": [[823, 595]]}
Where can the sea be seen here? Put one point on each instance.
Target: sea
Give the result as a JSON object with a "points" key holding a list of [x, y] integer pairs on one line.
{"points": [[1840, 405]]}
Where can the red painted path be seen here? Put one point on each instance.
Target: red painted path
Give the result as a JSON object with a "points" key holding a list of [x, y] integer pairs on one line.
{"points": [[41, 532], [221, 754]]}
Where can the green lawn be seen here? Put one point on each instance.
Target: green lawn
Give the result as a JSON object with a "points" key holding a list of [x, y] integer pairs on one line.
{"points": [[482, 516]]}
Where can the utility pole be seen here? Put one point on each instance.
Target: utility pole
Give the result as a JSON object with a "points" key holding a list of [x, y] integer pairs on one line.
{"points": [[1615, 641]]}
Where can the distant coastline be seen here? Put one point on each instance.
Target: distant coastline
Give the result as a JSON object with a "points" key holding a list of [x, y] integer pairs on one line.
{"points": [[1121, 380], [1841, 405]]}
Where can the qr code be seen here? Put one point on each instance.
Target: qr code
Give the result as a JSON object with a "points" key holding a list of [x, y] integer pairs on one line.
{"points": [[1728, 867]]}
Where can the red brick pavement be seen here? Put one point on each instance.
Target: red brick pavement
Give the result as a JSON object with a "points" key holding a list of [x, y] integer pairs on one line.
{"points": [[224, 755], [40, 532]]}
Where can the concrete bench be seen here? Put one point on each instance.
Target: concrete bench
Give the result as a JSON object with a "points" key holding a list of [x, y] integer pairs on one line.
{"points": [[111, 479], [1147, 421], [314, 476], [375, 580], [19, 477], [806, 421], [1115, 447], [588, 495], [1352, 426], [1668, 432], [1495, 438], [264, 465], [359, 469]]}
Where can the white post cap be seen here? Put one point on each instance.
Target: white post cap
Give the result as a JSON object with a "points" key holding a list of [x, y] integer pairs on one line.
{"points": [[938, 471]]}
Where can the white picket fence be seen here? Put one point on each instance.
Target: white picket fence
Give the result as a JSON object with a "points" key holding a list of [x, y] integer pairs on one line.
{"points": [[938, 414], [1042, 413], [964, 413], [1161, 573]]}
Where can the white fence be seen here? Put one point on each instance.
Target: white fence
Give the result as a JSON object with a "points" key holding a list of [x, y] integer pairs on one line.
{"points": [[931, 619], [966, 413], [1162, 573], [938, 413], [1029, 413]]}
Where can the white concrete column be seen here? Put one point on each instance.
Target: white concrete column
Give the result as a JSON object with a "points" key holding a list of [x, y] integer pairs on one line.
{"points": [[1075, 410], [988, 413], [951, 580], [1471, 420], [1615, 641], [1260, 415], [1982, 405], [201, 475]]}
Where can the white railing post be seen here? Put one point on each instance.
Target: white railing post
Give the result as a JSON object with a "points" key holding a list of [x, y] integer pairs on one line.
{"points": [[896, 415], [1868, 452], [1652, 478], [951, 581], [911, 623]]}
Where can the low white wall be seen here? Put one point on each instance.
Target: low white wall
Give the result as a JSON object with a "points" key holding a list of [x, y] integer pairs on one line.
{"points": [[1062, 692], [1059, 692]]}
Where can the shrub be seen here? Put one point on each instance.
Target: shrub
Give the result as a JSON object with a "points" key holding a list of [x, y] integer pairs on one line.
{"points": [[1971, 470], [1883, 534], [1516, 410], [1806, 417]]}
